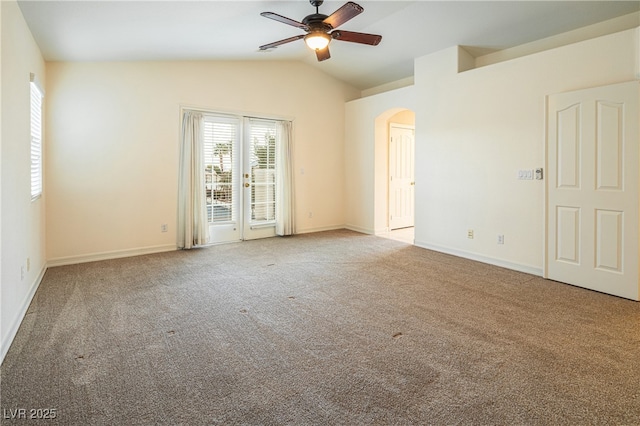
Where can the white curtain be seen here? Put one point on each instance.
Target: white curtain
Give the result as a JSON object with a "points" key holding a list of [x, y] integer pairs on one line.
{"points": [[284, 178], [193, 227]]}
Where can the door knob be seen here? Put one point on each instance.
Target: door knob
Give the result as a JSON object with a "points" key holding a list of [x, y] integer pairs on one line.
{"points": [[246, 184], [413, 183]]}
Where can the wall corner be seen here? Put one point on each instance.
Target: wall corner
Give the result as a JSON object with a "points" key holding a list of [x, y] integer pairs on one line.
{"points": [[466, 61]]}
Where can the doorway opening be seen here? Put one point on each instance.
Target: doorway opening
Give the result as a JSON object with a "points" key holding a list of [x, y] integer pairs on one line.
{"points": [[401, 176], [394, 175]]}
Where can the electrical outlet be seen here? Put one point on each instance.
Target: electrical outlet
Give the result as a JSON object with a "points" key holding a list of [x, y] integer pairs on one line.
{"points": [[470, 234], [310, 215], [164, 227], [500, 239]]}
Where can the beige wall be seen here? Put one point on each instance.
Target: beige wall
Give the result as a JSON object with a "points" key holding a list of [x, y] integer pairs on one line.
{"points": [[406, 117], [476, 129], [366, 151], [22, 221], [111, 149], [112, 141]]}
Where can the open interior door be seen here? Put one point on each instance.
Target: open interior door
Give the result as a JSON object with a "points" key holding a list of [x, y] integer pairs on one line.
{"points": [[592, 189], [401, 176]]}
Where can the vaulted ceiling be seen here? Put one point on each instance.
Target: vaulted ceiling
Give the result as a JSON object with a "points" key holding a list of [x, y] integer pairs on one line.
{"points": [[233, 30]]}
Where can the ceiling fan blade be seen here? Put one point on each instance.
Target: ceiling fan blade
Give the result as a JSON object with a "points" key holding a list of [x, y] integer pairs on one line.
{"points": [[342, 15], [362, 38], [280, 42], [284, 20], [323, 54]]}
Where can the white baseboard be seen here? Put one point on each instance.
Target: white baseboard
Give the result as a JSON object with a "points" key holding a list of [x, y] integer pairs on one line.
{"points": [[360, 229], [69, 260], [484, 259], [384, 230], [24, 306], [319, 229], [116, 254]]}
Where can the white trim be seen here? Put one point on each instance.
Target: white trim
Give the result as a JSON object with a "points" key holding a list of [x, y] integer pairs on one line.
{"points": [[319, 229], [216, 243], [22, 311], [484, 259], [545, 189], [402, 126], [270, 224], [107, 255], [360, 229]]}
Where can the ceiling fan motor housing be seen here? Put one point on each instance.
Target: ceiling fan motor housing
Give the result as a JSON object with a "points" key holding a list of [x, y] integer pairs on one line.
{"points": [[316, 3], [315, 23]]}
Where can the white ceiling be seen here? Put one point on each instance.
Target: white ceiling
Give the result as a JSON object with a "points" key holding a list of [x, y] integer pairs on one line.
{"points": [[233, 30]]}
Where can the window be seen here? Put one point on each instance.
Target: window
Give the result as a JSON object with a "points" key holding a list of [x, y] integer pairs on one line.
{"points": [[220, 140], [36, 140], [263, 169]]}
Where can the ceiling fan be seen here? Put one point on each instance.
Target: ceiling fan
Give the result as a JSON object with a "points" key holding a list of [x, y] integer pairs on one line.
{"points": [[321, 29]]}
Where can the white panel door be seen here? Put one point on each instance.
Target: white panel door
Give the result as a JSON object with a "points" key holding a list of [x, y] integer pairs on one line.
{"points": [[401, 176], [592, 189]]}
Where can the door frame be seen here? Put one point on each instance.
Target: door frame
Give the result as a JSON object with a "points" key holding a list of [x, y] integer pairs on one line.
{"points": [[241, 116]]}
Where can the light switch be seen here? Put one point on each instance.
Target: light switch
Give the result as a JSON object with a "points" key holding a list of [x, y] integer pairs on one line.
{"points": [[525, 174]]}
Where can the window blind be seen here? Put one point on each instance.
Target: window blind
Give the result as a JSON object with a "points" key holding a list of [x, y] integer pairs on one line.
{"points": [[263, 169], [36, 141], [220, 141]]}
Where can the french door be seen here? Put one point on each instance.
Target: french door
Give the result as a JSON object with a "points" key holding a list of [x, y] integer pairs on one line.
{"points": [[240, 177]]}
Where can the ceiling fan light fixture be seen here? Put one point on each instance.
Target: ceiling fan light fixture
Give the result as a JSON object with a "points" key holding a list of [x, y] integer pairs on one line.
{"points": [[317, 40], [320, 29]]}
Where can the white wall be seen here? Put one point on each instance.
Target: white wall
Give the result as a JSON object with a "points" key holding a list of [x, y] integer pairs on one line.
{"points": [[112, 141], [475, 129], [22, 221]]}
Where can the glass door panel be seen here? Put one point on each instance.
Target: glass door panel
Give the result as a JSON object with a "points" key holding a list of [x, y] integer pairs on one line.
{"points": [[260, 164], [222, 152]]}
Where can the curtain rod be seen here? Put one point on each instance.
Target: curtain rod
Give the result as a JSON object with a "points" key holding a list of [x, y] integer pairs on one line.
{"points": [[236, 113]]}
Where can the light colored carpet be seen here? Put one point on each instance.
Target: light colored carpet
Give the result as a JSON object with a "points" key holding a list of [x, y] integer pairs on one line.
{"points": [[327, 328]]}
